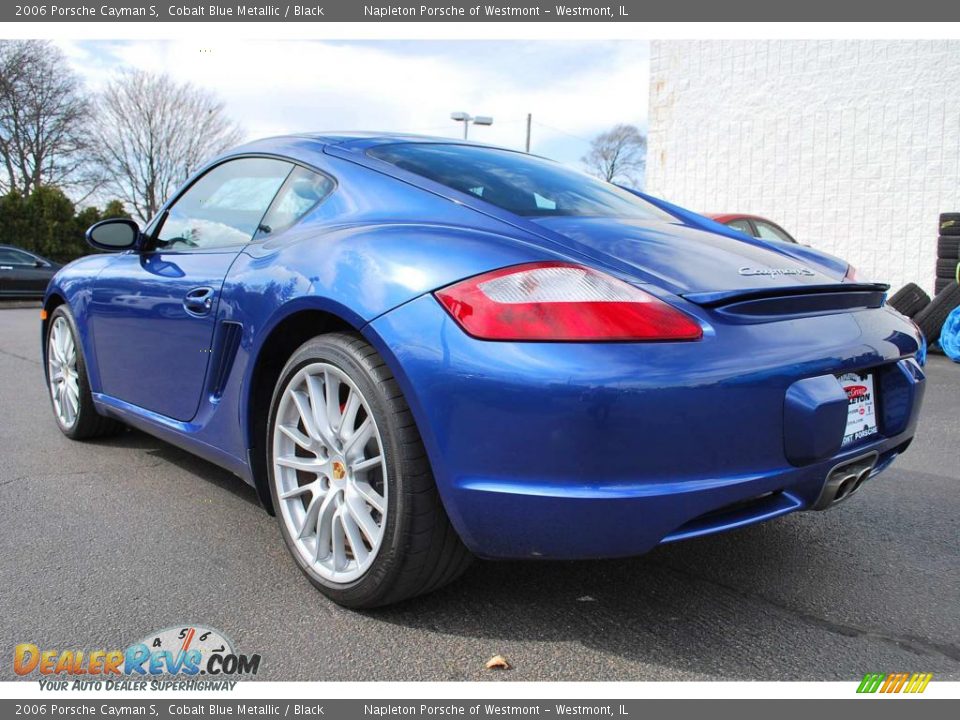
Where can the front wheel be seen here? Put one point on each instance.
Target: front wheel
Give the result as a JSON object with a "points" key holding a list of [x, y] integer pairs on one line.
{"points": [[67, 382], [350, 480]]}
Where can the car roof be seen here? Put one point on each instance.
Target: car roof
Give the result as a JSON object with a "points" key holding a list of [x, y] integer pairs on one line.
{"points": [[727, 217], [306, 142]]}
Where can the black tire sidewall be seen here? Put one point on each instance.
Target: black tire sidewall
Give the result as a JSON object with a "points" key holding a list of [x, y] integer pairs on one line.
{"points": [[930, 320], [909, 300], [377, 580]]}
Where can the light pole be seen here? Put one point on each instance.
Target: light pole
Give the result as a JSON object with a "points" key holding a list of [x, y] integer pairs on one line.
{"points": [[466, 119]]}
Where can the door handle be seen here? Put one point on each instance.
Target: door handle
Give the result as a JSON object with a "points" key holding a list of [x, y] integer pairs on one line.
{"points": [[199, 301]]}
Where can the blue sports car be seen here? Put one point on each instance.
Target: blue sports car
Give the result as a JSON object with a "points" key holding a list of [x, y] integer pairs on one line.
{"points": [[420, 350]]}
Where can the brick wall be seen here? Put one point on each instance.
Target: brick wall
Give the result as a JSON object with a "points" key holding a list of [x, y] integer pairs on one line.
{"points": [[852, 146]]}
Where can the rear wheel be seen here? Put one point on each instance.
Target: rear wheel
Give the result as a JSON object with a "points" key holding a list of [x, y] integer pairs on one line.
{"points": [[67, 382], [354, 494]]}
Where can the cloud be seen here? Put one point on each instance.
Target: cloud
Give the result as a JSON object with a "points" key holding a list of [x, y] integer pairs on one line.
{"points": [[573, 89]]}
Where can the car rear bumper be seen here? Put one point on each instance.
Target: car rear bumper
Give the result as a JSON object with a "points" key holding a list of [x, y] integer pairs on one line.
{"points": [[603, 450]]}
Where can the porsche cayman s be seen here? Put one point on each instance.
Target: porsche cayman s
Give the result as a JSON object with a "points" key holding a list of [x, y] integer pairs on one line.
{"points": [[420, 350]]}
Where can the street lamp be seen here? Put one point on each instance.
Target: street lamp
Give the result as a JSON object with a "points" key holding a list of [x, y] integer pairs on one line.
{"points": [[466, 119]]}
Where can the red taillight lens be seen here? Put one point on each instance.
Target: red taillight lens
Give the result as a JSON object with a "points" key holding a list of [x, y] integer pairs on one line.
{"points": [[851, 275], [553, 301]]}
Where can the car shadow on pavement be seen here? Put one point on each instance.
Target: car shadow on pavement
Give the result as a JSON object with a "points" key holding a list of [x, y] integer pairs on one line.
{"points": [[224, 479], [793, 597], [745, 605]]}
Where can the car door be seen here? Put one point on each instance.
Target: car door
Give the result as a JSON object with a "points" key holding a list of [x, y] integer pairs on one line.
{"points": [[154, 312], [7, 263], [22, 274]]}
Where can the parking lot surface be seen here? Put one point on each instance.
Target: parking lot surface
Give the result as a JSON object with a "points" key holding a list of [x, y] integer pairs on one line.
{"points": [[106, 541]]}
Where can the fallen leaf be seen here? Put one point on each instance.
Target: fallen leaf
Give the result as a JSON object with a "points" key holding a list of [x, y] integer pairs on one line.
{"points": [[498, 662]]}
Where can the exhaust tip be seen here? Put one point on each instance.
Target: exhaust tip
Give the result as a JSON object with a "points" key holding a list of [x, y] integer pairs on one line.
{"points": [[844, 480]]}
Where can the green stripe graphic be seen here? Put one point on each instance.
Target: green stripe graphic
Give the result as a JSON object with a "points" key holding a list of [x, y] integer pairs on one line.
{"points": [[871, 682]]}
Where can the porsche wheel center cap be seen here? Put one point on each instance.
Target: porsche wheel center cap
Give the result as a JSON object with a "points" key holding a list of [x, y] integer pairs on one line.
{"points": [[339, 471]]}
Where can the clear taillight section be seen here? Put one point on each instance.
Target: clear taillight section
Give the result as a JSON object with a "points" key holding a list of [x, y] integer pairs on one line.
{"points": [[556, 301]]}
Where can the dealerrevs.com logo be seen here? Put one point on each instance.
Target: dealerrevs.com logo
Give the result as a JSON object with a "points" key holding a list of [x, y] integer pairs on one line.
{"points": [[185, 652]]}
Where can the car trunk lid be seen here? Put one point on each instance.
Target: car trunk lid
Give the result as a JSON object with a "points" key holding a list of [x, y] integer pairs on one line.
{"points": [[703, 267]]}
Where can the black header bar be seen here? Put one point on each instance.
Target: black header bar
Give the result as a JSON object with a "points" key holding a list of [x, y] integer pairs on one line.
{"points": [[473, 11]]}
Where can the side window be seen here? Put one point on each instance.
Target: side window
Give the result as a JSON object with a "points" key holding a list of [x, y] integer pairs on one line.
{"points": [[302, 190], [225, 206], [766, 231], [741, 226], [9, 256]]}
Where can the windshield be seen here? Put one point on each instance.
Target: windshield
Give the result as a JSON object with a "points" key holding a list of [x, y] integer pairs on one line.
{"points": [[523, 184]]}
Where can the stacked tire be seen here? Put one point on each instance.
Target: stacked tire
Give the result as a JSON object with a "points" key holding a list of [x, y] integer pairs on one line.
{"points": [[931, 318], [948, 251], [909, 300]]}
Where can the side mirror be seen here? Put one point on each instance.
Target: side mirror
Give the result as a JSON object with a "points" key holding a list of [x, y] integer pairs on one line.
{"points": [[114, 234], [40, 264]]}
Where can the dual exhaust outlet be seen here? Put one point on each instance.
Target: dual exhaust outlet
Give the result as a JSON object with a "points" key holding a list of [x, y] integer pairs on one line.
{"points": [[844, 480]]}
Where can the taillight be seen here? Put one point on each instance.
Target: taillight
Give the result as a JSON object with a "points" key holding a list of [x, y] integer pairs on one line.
{"points": [[851, 275], [557, 301]]}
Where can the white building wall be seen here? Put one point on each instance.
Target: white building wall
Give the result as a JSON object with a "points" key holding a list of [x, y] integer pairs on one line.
{"points": [[852, 146]]}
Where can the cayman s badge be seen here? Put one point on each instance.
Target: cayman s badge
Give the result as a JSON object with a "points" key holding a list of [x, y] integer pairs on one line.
{"points": [[772, 272]]}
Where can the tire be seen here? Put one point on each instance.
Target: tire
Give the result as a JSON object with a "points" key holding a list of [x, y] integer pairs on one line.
{"points": [[909, 300], [930, 320], [940, 285], [950, 223], [417, 550], [64, 359], [948, 247], [947, 269]]}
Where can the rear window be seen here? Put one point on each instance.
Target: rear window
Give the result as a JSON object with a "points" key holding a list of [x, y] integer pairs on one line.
{"points": [[523, 184]]}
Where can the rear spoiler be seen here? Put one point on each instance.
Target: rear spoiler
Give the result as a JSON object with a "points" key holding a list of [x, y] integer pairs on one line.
{"points": [[724, 297]]}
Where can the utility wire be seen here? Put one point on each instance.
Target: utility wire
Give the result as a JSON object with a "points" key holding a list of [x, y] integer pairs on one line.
{"points": [[562, 132]]}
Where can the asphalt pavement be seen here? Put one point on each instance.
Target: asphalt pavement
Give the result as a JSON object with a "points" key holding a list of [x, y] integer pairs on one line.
{"points": [[104, 542]]}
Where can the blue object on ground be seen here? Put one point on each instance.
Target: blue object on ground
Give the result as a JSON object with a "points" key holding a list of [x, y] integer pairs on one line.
{"points": [[950, 335]]}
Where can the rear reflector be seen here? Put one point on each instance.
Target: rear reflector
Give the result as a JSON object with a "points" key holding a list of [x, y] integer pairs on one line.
{"points": [[556, 301]]}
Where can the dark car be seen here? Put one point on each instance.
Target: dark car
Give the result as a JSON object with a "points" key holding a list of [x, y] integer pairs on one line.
{"points": [[24, 274], [753, 225]]}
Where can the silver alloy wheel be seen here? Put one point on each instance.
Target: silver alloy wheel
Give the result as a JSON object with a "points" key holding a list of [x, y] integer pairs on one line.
{"points": [[330, 472], [62, 372]]}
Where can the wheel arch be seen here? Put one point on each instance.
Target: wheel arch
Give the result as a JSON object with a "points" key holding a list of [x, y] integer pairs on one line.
{"points": [[51, 302], [286, 334]]}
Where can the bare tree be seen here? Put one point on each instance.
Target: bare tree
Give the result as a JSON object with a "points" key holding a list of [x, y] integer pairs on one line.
{"points": [[618, 155], [153, 132], [43, 118]]}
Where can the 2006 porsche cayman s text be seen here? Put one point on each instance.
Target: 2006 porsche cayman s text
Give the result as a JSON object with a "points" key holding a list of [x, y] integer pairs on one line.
{"points": [[418, 350]]}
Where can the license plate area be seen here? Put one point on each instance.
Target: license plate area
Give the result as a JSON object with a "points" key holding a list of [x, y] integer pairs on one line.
{"points": [[860, 388]]}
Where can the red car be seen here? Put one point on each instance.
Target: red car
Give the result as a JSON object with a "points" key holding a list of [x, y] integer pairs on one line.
{"points": [[752, 225]]}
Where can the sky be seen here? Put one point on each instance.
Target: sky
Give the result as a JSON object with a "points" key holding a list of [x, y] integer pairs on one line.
{"points": [[573, 89]]}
